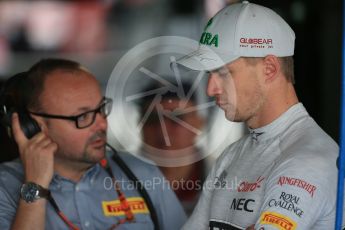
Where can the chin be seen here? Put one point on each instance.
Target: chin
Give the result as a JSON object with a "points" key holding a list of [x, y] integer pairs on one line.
{"points": [[230, 115], [234, 117], [96, 154], [99, 152]]}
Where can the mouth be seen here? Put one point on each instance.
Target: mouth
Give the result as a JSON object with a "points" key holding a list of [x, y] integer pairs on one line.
{"points": [[98, 143], [220, 103]]}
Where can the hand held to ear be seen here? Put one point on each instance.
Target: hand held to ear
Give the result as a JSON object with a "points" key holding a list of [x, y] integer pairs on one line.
{"points": [[37, 154]]}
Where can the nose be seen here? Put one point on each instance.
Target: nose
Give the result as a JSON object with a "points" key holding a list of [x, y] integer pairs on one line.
{"points": [[101, 122], [213, 85]]}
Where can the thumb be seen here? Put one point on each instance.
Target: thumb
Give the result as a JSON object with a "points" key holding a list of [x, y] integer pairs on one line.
{"points": [[18, 134]]}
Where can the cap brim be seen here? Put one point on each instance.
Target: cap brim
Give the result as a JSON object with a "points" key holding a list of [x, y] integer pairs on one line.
{"points": [[205, 60]]}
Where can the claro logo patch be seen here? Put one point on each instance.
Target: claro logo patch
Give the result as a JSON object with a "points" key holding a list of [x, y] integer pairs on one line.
{"points": [[246, 186], [114, 208], [278, 220]]}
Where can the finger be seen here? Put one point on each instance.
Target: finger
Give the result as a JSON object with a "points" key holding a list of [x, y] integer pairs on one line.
{"points": [[45, 142], [38, 137], [52, 146], [18, 134]]}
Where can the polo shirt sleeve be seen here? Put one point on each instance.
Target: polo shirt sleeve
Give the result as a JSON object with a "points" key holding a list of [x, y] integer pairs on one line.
{"points": [[298, 195]]}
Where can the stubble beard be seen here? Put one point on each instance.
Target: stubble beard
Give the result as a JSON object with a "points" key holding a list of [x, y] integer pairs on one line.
{"points": [[92, 154], [232, 112]]}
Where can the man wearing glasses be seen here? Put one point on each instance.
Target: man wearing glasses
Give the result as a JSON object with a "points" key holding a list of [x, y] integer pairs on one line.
{"points": [[58, 182]]}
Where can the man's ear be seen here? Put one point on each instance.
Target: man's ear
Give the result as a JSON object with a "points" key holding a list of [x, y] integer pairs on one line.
{"points": [[271, 68]]}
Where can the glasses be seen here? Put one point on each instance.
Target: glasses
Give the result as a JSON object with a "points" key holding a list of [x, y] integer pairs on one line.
{"points": [[85, 119]]}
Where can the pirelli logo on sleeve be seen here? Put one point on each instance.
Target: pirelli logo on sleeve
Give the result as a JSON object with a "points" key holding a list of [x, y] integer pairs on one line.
{"points": [[280, 221], [114, 208]]}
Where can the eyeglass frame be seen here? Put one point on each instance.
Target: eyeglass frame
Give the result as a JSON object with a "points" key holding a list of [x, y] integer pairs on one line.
{"points": [[105, 101]]}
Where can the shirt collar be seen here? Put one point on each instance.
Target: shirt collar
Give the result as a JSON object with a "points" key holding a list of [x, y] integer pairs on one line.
{"points": [[275, 128]]}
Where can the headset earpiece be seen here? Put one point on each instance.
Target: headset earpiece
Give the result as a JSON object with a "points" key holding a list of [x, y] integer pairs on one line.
{"points": [[29, 126]]}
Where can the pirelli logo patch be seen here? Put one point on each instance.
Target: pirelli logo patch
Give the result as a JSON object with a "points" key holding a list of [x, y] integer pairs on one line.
{"points": [[114, 208], [278, 220]]}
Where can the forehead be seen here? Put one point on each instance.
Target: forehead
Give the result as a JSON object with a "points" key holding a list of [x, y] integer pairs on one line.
{"points": [[70, 90], [237, 63]]}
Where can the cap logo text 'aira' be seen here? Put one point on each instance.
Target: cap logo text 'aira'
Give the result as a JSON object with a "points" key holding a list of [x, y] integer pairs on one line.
{"points": [[209, 39]]}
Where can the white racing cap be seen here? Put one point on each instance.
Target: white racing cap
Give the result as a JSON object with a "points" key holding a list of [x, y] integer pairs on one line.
{"points": [[241, 30]]}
